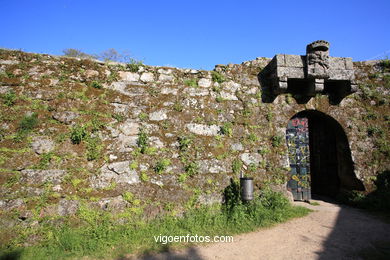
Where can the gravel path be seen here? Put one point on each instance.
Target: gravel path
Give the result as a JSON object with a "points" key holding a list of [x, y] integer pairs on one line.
{"points": [[330, 232]]}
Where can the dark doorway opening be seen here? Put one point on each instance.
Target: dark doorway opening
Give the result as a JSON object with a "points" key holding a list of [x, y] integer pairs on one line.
{"points": [[331, 165]]}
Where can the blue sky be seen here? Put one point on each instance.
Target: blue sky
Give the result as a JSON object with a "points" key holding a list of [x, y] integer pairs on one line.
{"points": [[197, 34]]}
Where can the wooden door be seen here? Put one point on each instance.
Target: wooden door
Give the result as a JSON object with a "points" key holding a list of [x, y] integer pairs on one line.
{"points": [[297, 137]]}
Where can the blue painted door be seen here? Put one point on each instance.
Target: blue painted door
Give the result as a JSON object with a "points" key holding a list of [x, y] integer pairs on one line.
{"points": [[297, 137]]}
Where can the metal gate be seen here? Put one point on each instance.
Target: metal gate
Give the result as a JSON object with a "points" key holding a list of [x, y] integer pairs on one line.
{"points": [[297, 137]]}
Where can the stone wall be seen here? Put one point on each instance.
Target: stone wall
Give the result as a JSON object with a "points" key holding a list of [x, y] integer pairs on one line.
{"points": [[145, 139]]}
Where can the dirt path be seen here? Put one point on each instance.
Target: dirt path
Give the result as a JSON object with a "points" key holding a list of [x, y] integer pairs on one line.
{"points": [[330, 232]]}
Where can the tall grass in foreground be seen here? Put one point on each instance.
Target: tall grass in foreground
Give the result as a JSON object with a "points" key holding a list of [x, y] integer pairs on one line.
{"points": [[100, 236]]}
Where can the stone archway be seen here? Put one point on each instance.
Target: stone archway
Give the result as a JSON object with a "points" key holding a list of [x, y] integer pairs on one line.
{"points": [[319, 156]]}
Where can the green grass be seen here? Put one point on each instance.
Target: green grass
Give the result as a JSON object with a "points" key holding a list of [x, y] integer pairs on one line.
{"points": [[191, 83], [9, 98], [217, 77], [96, 234], [78, 133]]}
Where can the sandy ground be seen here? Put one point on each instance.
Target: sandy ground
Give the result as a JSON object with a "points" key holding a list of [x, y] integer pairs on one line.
{"points": [[330, 232]]}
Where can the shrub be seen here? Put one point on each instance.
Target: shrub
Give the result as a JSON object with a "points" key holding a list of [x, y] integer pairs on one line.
{"points": [[273, 200], [227, 129], [252, 137], [128, 196], [77, 53], [162, 165], [143, 140], [134, 65], [118, 117], [78, 133], [9, 98], [277, 140], [191, 83], [96, 125], [237, 166], [192, 168], [28, 122], [385, 64], [96, 84], [217, 77], [178, 106], [94, 148], [142, 116], [144, 177], [184, 143], [374, 130]]}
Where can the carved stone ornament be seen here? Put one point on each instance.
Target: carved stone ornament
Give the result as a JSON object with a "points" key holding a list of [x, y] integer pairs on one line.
{"points": [[304, 76]]}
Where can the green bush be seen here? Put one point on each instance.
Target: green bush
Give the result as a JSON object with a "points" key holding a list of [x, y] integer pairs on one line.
{"points": [[9, 98], [162, 165], [227, 129], [134, 65], [96, 84], [94, 148], [237, 166], [184, 143], [217, 77], [377, 200], [28, 122], [78, 133], [192, 168], [385, 64], [191, 83], [143, 141], [118, 117], [277, 140], [77, 53]]}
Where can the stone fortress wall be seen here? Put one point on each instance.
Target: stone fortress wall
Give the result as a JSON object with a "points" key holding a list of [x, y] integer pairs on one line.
{"points": [[155, 139]]}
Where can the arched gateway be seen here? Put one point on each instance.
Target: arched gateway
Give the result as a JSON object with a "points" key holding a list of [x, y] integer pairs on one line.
{"points": [[319, 156]]}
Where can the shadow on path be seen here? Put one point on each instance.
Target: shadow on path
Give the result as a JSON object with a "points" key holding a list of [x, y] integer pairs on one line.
{"points": [[356, 235], [185, 254]]}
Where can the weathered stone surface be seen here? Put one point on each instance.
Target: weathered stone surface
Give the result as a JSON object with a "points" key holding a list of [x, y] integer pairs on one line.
{"points": [[158, 115], [91, 73], [42, 144], [237, 147], [166, 91], [9, 62], [165, 71], [119, 167], [228, 96], [154, 141], [67, 207], [117, 172], [212, 166], [129, 127], [122, 108], [166, 78], [114, 204], [282, 188], [147, 77], [197, 92], [231, 86], [205, 83], [66, 117], [129, 76], [11, 204], [199, 129], [251, 158], [210, 199], [41, 176]]}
